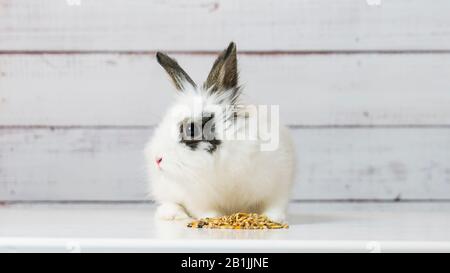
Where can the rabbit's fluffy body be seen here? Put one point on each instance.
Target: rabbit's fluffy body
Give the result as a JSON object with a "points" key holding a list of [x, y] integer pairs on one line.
{"points": [[213, 178]]}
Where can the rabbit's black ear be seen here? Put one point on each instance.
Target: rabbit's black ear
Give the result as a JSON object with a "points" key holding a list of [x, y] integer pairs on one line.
{"points": [[179, 77], [224, 73]]}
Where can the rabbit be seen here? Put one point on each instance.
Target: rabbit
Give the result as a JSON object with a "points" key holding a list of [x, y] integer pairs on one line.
{"points": [[197, 173]]}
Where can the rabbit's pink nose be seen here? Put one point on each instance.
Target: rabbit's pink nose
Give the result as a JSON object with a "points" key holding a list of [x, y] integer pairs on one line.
{"points": [[158, 161]]}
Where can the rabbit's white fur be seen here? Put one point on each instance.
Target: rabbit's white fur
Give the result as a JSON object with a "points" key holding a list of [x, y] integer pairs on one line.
{"points": [[236, 177]]}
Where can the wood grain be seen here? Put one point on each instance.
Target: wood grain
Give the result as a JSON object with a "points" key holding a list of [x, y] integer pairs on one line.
{"points": [[317, 90], [333, 164], [365, 88], [256, 25]]}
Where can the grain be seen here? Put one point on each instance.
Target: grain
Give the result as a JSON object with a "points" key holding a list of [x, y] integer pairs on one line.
{"points": [[238, 221]]}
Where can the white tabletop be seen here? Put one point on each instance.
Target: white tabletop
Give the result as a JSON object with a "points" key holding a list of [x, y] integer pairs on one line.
{"points": [[361, 227]]}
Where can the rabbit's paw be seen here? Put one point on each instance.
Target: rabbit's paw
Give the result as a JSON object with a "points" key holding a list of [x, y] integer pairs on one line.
{"points": [[170, 211], [209, 214], [276, 215]]}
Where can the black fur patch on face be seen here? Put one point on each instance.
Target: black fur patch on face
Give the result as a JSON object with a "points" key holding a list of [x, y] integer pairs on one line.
{"points": [[214, 144], [193, 144], [193, 133]]}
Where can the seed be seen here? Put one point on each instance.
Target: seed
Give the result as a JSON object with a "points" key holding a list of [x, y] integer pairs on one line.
{"points": [[238, 220]]}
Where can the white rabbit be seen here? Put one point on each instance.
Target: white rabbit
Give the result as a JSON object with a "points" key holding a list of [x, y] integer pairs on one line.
{"points": [[195, 171]]}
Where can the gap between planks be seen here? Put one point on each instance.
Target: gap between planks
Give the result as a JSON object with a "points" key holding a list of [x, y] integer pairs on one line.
{"points": [[214, 52], [131, 202], [147, 127]]}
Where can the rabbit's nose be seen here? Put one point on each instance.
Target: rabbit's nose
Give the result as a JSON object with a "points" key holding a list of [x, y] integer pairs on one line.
{"points": [[158, 161]]}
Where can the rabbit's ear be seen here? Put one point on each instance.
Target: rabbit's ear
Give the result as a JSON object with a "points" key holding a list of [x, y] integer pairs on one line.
{"points": [[179, 77], [224, 73]]}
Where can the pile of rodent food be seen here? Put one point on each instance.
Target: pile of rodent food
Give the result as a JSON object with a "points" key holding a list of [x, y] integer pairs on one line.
{"points": [[238, 220]]}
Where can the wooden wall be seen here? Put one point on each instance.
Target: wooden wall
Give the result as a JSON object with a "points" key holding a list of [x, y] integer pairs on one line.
{"points": [[365, 90]]}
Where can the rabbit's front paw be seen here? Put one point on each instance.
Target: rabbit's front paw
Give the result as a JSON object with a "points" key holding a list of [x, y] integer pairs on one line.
{"points": [[209, 214], [276, 215], [169, 211]]}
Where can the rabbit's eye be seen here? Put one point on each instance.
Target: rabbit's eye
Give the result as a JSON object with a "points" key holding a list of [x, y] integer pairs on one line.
{"points": [[192, 130]]}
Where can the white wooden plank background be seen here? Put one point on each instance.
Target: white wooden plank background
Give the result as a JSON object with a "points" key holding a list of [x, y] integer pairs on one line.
{"points": [[393, 89], [365, 88], [107, 164], [210, 24]]}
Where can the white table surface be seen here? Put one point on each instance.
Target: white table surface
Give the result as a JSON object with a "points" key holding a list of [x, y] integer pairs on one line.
{"points": [[318, 227]]}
